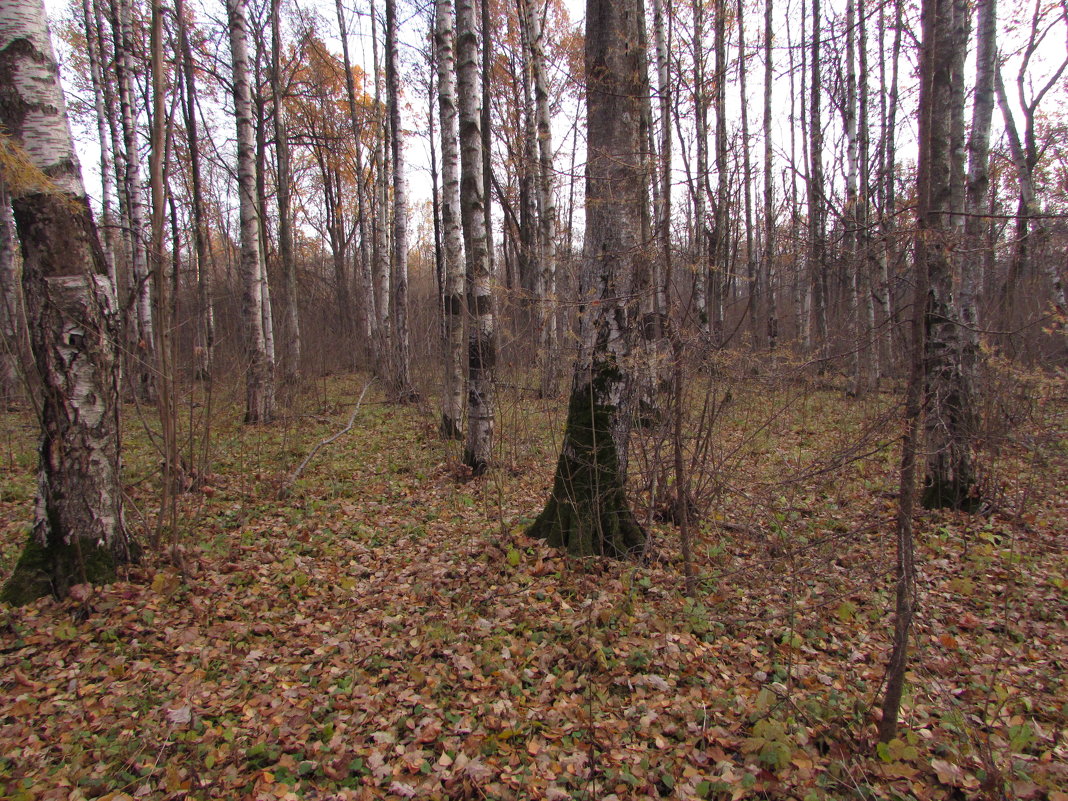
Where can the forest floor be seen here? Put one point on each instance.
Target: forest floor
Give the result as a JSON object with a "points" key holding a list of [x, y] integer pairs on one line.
{"points": [[387, 631]]}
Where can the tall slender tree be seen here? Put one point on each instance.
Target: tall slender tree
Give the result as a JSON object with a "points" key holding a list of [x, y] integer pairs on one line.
{"points": [[950, 478], [10, 322], [547, 228], [401, 374], [817, 266], [290, 327], [259, 381], [769, 315], [143, 331], [481, 348], [205, 312], [452, 406]]}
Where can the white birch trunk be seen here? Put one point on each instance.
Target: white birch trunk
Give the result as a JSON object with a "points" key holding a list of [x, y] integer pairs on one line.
{"points": [[106, 188], [259, 382], [10, 318], [144, 333], [452, 407], [78, 532], [401, 373], [546, 201], [380, 222], [481, 353]]}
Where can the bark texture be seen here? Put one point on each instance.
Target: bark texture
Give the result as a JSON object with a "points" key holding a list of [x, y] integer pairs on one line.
{"points": [[588, 513], [10, 381], [481, 349], [949, 387], [452, 405], [291, 343], [546, 247], [402, 374], [259, 383], [78, 533]]}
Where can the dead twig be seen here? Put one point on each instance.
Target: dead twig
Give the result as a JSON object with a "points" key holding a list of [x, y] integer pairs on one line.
{"points": [[283, 490]]}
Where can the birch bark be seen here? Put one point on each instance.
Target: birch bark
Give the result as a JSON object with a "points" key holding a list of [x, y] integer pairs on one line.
{"points": [[144, 346], [259, 383], [452, 407], [546, 249], [10, 328], [587, 512], [402, 375], [481, 349], [78, 533]]}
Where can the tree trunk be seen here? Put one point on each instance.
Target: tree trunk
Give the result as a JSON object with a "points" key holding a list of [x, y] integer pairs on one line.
{"points": [[588, 513], [950, 411], [401, 374], [888, 191], [96, 75], [366, 293], [770, 316], [162, 289], [549, 371], [204, 338], [721, 240], [752, 270], [481, 348], [10, 317], [487, 152], [78, 533], [701, 244], [144, 346], [978, 181], [816, 246], [850, 212], [1029, 207], [452, 407], [290, 309], [259, 382], [868, 264]]}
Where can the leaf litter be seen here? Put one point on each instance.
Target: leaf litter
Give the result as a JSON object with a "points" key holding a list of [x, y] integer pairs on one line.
{"points": [[387, 631]]}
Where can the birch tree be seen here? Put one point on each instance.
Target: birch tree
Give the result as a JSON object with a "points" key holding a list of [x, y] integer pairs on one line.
{"points": [[9, 305], [401, 373], [587, 512], [949, 387], [452, 405], [481, 351], [546, 237], [143, 332], [259, 382], [770, 314], [78, 533], [205, 313]]}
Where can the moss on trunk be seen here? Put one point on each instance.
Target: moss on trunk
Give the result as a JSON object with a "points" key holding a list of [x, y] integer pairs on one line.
{"points": [[587, 512], [52, 569], [957, 492]]}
